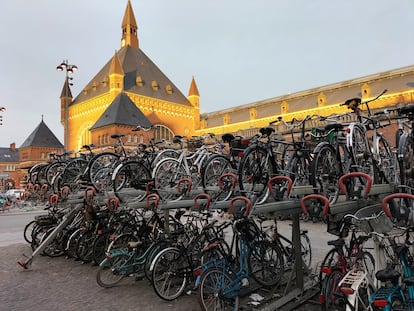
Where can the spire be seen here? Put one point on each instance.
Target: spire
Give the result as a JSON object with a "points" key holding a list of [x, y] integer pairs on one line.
{"points": [[116, 75], [116, 66], [193, 89], [66, 92], [129, 28]]}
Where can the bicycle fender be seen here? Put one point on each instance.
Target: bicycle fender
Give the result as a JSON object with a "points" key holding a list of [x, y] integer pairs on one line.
{"points": [[159, 254], [401, 146], [320, 145]]}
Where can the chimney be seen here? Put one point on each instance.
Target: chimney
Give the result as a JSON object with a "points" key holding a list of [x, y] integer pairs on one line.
{"points": [[13, 146]]}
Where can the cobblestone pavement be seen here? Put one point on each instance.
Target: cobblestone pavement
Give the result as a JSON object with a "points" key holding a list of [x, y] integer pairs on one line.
{"points": [[64, 284]]}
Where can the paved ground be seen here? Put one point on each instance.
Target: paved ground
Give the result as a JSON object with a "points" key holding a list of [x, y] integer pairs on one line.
{"points": [[64, 284]]}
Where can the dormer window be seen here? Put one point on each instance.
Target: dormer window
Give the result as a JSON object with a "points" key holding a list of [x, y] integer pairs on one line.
{"points": [[169, 89], [139, 81], [154, 85]]}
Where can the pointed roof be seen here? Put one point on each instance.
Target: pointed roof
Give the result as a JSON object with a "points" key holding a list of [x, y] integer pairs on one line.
{"points": [[129, 16], [129, 28], [116, 66], [139, 75], [122, 111], [193, 89], [42, 136], [66, 92]]}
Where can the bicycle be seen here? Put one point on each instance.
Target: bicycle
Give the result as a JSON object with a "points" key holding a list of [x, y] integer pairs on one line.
{"points": [[224, 280]]}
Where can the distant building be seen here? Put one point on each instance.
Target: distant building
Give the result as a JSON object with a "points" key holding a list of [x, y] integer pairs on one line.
{"points": [[10, 176], [36, 149]]}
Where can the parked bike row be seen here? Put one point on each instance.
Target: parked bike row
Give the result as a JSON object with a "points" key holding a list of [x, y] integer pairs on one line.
{"points": [[205, 219]]}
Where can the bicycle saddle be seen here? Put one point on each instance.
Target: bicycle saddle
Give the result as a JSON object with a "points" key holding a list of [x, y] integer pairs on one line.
{"points": [[267, 130], [388, 274], [334, 126], [227, 138], [407, 109], [338, 242]]}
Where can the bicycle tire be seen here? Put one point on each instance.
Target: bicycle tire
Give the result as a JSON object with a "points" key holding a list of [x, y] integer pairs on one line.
{"points": [[333, 299], [99, 247], [110, 272], [100, 170], [406, 162], [170, 273], [131, 178], [216, 166], [266, 263], [28, 231], [361, 151], [84, 249], [166, 175], [325, 173], [54, 248], [254, 172], [386, 162], [306, 251], [210, 291]]}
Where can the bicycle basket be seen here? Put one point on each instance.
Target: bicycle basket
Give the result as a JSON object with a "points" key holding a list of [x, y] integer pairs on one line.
{"points": [[380, 224]]}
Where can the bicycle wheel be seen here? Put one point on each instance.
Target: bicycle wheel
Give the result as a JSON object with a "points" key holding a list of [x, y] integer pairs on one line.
{"points": [[361, 151], [100, 170], [84, 249], [254, 172], [333, 300], [110, 271], [100, 244], [28, 231], [212, 290], [266, 263], [131, 179], [325, 173], [166, 175], [386, 162], [170, 271], [72, 174], [406, 162], [298, 169], [54, 248], [152, 254], [70, 248], [216, 166], [306, 251], [166, 153], [332, 259]]}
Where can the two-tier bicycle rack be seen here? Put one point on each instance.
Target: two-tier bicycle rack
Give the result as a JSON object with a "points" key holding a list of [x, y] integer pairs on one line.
{"points": [[300, 286]]}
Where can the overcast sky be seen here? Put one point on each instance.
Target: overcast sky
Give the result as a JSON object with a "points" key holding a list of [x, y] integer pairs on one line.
{"points": [[239, 51]]}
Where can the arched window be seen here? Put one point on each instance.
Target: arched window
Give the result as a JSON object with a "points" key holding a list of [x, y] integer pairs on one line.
{"points": [[162, 132]]}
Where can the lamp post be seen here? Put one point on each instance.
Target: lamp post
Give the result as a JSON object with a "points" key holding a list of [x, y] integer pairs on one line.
{"points": [[69, 69]]}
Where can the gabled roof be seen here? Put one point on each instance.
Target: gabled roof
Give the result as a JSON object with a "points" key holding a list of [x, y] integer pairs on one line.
{"points": [[9, 155], [122, 111], [42, 136], [140, 74]]}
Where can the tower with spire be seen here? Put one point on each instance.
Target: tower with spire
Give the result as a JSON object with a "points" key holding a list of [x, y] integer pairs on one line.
{"points": [[132, 74]]}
